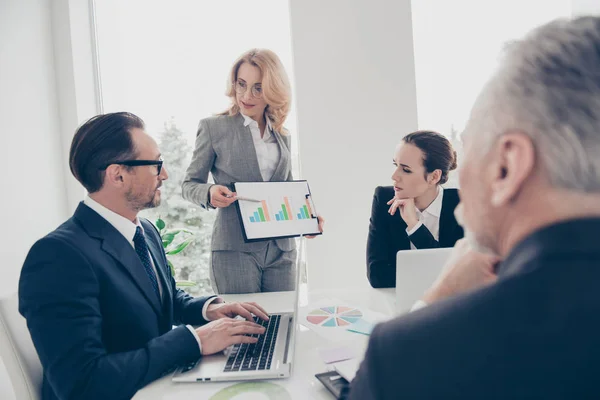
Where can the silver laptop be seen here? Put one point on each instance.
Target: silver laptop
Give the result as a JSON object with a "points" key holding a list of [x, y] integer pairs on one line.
{"points": [[270, 358], [416, 270]]}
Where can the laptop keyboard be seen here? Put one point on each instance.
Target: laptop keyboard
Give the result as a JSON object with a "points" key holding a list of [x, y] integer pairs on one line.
{"points": [[255, 356]]}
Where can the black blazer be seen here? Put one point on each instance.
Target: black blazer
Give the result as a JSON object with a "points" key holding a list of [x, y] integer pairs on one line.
{"points": [[387, 235], [95, 321], [533, 334]]}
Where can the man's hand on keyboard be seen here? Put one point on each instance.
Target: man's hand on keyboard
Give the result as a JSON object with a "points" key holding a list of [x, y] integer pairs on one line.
{"points": [[222, 333], [216, 311]]}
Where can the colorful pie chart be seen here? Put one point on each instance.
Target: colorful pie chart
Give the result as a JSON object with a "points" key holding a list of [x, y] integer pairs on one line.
{"points": [[330, 317]]}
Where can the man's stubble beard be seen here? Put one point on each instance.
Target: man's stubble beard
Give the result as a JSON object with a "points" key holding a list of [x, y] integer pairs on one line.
{"points": [[469, 235]]}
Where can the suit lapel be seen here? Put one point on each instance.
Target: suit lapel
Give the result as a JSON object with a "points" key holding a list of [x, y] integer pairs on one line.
{"points": [[444, 223], [245, 142], [448, 224], [128, 258], [115, 244], [281, 171]]}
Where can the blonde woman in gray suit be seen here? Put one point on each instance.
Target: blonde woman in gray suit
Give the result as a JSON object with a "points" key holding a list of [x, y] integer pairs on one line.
{"points": [[246, 143]]}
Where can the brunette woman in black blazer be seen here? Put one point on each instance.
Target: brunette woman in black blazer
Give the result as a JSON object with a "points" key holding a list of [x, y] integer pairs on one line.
{"points": [[425, 217]]}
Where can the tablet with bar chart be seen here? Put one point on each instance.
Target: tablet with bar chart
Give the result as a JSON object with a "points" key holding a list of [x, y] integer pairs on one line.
{"points": [[276, 210]]}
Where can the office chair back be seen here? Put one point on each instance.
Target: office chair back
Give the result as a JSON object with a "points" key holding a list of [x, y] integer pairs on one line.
{"points": [[18, 353]]}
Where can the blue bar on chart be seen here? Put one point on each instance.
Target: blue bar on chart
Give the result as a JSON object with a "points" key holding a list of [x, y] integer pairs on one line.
{"points": [[251, 219], [303, 214], [277, 217], [256, 216]]}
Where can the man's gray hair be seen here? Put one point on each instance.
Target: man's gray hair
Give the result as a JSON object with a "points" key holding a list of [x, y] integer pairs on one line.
{"points": [[548, 87]]}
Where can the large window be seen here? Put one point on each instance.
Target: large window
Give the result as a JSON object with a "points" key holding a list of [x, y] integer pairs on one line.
{"points": [[457, 46], [168, 62]]}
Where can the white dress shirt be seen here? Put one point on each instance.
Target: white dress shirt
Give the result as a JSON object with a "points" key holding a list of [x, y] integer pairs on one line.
{"points": [[418, 305], [430, 217], [127, 229], [267, 148]]}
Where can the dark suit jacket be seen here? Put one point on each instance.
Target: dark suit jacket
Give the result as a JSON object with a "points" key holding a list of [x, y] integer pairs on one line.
{"points": [[95, 321], [534, 334], [387, 235]]}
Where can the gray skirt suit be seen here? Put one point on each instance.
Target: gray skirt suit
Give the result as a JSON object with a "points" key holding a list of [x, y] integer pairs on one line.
{"points": [[225, 148]]}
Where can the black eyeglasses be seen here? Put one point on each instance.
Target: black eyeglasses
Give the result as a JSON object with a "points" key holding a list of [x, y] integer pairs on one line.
{"points": [[137, 163]]}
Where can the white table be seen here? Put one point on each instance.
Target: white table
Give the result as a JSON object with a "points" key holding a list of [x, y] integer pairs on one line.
{"points": [[307, 362]]}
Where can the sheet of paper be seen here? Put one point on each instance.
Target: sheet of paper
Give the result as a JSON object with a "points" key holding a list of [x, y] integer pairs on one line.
{"points": [[362, 326], [347, 368], [331, 319], [276, 209], [334, 354]]}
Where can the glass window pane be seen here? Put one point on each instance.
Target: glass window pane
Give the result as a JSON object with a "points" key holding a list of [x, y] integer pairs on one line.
{"points": [[168, 63], [457, 45]]}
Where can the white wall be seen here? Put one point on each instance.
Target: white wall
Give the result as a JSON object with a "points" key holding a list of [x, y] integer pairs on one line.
{"points": [[581, 7], [33, 200], [356, 97]]}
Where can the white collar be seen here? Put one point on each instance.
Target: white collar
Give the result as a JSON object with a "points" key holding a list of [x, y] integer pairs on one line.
{"points": [[122, 224], [250, 121], [435, 208]]}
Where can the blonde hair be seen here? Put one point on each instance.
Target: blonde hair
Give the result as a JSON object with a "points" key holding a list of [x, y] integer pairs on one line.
{"points": [[275, 86]]}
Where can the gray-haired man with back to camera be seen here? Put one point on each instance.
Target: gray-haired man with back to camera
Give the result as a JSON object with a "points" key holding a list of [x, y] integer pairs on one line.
{"points": [[530, 191]]}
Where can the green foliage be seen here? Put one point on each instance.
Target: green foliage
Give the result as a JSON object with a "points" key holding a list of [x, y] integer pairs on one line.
{"points": [[172, 247], [186, 283], [179, 247], [191, 261], [167, 238]]}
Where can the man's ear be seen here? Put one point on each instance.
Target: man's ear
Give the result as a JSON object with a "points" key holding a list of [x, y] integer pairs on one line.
{"points": [[513, 164], [114, 176]]}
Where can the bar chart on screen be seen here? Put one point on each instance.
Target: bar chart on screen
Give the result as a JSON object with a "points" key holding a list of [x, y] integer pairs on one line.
{"points": [[282, 211], [277, 209]]}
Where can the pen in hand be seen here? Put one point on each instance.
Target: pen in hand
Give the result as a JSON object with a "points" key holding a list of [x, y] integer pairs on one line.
{"points": [[242, 198]]}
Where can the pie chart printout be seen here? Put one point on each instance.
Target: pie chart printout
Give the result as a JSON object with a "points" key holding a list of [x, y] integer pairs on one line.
{"points": [[335, 316]]}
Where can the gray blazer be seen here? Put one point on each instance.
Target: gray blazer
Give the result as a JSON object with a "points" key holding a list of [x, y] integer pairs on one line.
{"points": [[224, 147]]}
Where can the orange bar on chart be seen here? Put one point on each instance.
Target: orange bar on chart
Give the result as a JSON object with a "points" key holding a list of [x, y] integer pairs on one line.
{"points": [[309, 209], [264, 204], [289, 209]]}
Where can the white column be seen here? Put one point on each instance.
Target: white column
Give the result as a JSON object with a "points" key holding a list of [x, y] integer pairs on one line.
{"points": [[356, 98], [76, 76], [32, 200], [47, 88]]}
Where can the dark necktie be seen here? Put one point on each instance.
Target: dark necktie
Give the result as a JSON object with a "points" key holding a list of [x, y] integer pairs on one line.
{"points": [[141, 248]]}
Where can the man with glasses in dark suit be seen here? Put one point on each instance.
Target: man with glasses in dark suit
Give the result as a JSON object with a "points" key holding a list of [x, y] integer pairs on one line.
{"points": [[97, 293]]}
